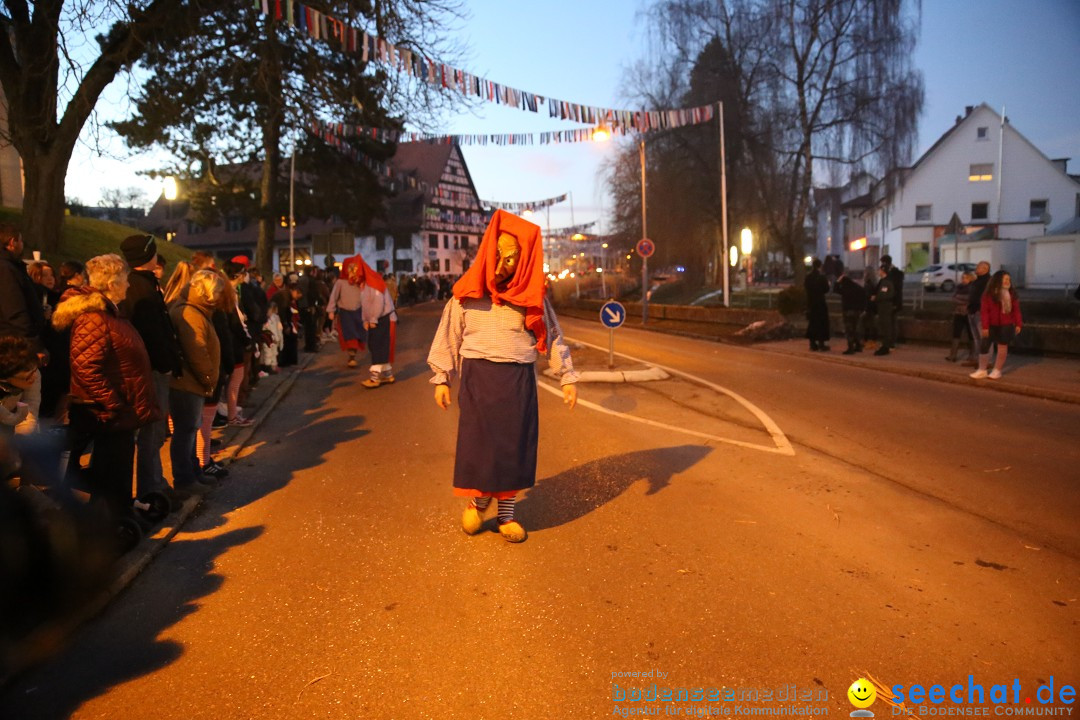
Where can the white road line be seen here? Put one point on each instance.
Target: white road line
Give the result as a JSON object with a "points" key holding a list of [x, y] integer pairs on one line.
{"points": [[782, 446]]}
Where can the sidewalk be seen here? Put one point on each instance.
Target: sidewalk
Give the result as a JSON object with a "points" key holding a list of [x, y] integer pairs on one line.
{"points": [[1039, 377], [1049, 378], [44, 641]]}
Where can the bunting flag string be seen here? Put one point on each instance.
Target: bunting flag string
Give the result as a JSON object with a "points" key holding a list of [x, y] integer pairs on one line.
{"points": [[520, 207], [370, 48], [566, 232], [395, 136]]}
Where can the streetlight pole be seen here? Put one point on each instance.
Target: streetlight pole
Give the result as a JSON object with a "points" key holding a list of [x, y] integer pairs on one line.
{"points": [[603, 270], [644, 234], [292, 218], [747, 249], [723, 206]]}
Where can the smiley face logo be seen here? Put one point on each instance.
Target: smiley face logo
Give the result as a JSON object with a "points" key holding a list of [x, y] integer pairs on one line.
{"points": [[862, 694]]}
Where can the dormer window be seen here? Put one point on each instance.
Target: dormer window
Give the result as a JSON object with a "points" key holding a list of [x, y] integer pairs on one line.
{"points": [[982, 133]]}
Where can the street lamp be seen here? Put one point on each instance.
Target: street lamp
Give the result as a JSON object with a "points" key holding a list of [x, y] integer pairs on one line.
{"points": [[747, 239], [601, 133], [168, 188]]}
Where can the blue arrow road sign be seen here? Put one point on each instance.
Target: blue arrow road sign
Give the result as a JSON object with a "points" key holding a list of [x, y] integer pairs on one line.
{"points": [[613, 314]]}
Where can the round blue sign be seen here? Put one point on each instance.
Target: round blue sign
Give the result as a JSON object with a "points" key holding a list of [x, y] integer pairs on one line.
{"points": [[612, 314]]}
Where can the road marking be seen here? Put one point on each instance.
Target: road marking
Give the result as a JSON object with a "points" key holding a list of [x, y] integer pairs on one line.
{"points": [[782, 446]]}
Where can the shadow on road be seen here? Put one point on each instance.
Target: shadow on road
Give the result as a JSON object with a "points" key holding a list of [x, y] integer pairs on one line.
{"points": [[576, 492], [125, 642]]}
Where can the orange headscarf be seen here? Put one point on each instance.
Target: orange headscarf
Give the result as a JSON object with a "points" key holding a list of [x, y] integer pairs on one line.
{"points": [[526, 288], [371, 277]]}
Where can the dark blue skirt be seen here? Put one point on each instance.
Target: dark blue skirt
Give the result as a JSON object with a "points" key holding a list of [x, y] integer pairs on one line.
{"points": [[498, 428]]}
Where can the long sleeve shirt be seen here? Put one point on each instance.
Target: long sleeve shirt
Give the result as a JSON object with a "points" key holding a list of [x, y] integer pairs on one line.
{"points": [[477, 328], [372, 303]]}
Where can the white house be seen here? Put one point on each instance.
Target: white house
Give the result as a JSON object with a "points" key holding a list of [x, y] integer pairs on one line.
{"points": [[1000, 186]]}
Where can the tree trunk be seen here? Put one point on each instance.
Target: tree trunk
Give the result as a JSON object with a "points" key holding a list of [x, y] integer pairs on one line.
{"points": [[270, 72], [43, 200]]}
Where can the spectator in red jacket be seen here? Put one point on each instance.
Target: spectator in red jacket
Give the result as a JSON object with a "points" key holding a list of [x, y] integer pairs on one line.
{"points": [[112, 393], [1001, 321]]}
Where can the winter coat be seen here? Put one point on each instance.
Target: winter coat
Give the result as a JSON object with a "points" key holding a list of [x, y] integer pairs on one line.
{"points": [[145, 307], [852, 295], [110, 369], [978, 287], [20, 306], [230, 355], [885, 296], [896, 277], [200, 346], [991, 313]]}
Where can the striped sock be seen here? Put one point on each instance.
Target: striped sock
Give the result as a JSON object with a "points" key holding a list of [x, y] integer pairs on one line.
{"points": [[481, 503], [506, 510]]}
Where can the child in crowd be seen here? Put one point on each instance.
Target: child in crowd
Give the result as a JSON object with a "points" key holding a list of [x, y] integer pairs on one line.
{"points": [[18, 369], [273, 339], [960, 325], [1001, 322]]}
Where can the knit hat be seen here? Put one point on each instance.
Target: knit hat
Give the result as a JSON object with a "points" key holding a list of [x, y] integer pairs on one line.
{"points": [[241, 260], [138, 249]]}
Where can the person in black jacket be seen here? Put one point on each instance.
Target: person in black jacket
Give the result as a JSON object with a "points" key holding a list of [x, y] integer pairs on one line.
{"points": [[817, 312], [21, 314], [978, 287], [145, 307], [896, 278], [852, 305]]}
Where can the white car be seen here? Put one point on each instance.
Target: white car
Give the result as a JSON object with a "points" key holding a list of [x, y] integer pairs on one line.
{"points": [[945, 277]]}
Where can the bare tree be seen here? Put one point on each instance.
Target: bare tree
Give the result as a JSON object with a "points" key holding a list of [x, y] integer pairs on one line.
{"points": [[41, 44], [809, 85]]}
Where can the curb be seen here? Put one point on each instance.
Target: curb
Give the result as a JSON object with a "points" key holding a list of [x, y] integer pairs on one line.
{"points": [[134, 562]]}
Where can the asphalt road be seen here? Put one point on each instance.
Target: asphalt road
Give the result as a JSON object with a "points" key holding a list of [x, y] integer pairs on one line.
{"points": [[918, 533]]}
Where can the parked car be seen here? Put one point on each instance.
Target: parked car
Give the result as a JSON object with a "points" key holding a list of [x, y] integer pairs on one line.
{"points": [[944, 277]]}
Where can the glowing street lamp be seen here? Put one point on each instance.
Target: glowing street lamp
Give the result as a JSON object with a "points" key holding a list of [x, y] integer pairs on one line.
{"points": [[747, 240], [733, 255], [601, 133], [169, 190]]}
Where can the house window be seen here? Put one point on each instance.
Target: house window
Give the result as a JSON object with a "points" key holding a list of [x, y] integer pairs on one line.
{"points": [[234, 223], [980, 211], [464, 265], [981, 172], [433, 240], [446, 242], [446, 266], [380, 242], [922, 213], [1036, 209], [465, 238], [982, 133]]}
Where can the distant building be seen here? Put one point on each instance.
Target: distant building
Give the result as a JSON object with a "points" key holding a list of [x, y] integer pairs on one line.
{"points": [[1002, 188], [433, 223]]}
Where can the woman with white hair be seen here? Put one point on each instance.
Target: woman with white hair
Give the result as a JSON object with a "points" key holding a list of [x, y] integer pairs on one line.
{"points": [[191, 312], [112, 393]]}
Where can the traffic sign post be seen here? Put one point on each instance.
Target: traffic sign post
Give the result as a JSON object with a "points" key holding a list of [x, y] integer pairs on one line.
{"points": [[612, 315], [645, 248]]}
